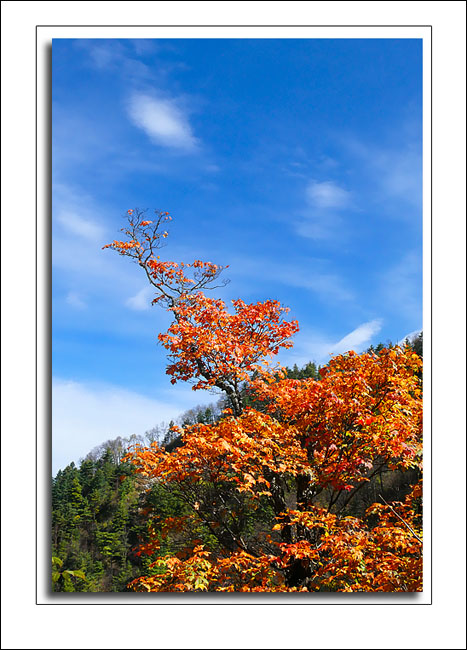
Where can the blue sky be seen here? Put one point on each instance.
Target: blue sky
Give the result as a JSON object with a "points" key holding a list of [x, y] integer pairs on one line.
{"points": [[296, 162]]}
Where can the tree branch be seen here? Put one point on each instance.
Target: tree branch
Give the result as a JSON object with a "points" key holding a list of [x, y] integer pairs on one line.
{"points": [[403, 520]]}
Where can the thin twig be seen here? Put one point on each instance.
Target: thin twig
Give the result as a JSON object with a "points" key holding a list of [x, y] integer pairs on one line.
{"points": [[403, 521]]}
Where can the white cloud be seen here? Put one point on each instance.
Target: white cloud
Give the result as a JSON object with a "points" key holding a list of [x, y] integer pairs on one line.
{"points": [[162, 120], [142, 300], [77, 241], [320, 218], [313, 346], [85, 415], [79, 226], [327, 195], [358, 338]]}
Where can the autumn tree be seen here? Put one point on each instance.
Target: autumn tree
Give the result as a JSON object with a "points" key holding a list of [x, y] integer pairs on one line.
{"points": [[206, 343], [270, 495]]}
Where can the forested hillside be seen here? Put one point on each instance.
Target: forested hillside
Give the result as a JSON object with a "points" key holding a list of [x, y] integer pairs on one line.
{"points": [[100, 511]]}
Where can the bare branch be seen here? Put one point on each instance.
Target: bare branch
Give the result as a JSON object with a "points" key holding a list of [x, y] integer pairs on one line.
{"points": [[403, 520]]}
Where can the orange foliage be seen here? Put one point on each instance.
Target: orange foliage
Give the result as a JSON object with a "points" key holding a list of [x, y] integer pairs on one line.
{"points": [[303, 458], [211, 345], [206, 343], [334, 435]]}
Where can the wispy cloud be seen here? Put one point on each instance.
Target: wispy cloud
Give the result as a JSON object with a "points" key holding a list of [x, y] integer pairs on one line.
{"points": [[103, 54], [392, 174], [77, 225], [358, 337], [143, 46], [401, 176], [321, 218], [86, 272], [75, 300], [141, 301], [401, 287], [389, 184], [327, 195], [162, 120], [76, 212], [118, 56], [320, 226], [312, 274], [78, 237], [329, 286], [123, 57], [314, 346]]}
